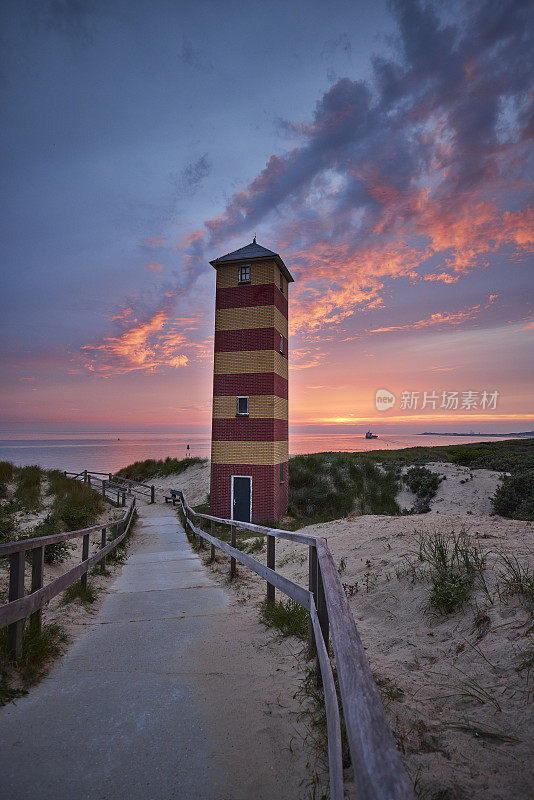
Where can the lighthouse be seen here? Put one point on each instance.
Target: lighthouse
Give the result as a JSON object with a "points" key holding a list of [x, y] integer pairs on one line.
{"points": [[249, 443]]}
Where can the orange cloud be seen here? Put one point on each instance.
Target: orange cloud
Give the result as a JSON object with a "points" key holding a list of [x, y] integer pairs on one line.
{"points": [[434, 319], [155, 267], [155, 241], [146, 346]]}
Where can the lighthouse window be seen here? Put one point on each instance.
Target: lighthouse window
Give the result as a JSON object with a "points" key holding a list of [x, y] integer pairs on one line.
{"points": [[281, 473], [281, 283], [281, 343], [242, 407], [244, 274]]}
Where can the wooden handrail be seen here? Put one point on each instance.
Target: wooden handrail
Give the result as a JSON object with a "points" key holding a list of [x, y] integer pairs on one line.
{"points": [[20, 606], [379, 773]]}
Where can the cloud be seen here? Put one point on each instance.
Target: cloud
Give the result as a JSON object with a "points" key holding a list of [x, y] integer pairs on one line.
{"points": [[439, 318], [156, 267], [192, 176], [423, 166], [161, 341], [73, 19]]}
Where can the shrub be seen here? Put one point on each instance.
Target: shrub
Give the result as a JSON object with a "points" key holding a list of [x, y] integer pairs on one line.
{"points": [[8, 527], [54, 553], [28, 491], [514, 498], [6, 471], [424, 484]]}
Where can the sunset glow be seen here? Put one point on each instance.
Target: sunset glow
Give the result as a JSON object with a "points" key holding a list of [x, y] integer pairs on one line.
{"points": [[395, 180]]}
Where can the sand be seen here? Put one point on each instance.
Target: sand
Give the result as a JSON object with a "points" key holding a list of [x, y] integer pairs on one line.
{"points": [[457, 689]]}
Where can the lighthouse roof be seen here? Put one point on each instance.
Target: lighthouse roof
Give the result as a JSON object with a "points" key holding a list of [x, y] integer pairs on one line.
{"points": [[251, 252]]}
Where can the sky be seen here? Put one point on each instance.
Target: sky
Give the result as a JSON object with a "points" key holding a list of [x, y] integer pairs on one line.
{"points": [[384, 149]]}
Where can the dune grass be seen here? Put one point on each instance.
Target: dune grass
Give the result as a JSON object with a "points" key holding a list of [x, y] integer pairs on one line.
{"points": [[38, 649], [86, 594], [150, 468], [327, 486], [286, 616], [456, 566], [28, 490], [509, 455]]}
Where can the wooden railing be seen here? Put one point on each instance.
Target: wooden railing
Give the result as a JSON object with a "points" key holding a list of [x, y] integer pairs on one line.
{"points": [[115, 484], [379, 773], [20, 606]]}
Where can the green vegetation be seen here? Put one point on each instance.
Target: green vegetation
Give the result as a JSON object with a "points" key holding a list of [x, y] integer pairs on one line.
{"points": [[38, 649], [326, 486], [6, 472], [424, 485], [28, 491], [455, 567], [145, 470], [514, 498], [54, 553], [86, 594], [74, 506], [517, 579], [286, 616], [510, 455]]}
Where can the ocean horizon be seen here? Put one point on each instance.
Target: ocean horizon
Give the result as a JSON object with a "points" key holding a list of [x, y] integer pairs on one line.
{"points": [[109, 452]]}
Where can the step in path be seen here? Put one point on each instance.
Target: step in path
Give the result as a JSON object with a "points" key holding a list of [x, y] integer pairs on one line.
{"points": [[137, 707]]}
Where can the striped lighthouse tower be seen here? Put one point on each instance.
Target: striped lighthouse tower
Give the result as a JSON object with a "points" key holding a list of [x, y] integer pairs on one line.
{"points": [[249, 446]]}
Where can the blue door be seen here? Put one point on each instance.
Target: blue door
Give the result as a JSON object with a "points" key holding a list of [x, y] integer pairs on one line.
{"points": [[242, 492]]}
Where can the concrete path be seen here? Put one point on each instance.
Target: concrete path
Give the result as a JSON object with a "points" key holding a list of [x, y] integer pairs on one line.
{"points": [[127, 713]]}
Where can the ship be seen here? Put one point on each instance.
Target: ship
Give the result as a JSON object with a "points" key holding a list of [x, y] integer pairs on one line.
{"points": [[370, 435]]}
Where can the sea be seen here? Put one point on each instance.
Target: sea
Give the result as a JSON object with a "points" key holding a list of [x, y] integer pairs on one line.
{"points": [[109, 452]]}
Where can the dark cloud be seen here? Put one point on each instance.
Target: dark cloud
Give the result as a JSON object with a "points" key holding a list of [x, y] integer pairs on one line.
{"points": [[412, 167], [74, 19], [192, 176]]}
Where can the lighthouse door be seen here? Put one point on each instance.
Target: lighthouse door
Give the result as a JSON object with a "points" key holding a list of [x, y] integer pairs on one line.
{"points": [[241, 498]]}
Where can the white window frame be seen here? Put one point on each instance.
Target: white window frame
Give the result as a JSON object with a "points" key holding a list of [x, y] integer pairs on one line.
{"points": [[281, 344], [244, 280], [239, 413], [232, 494]]}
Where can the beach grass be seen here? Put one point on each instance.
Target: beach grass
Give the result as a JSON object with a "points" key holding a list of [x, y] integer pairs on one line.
{"points": [[150, 468]]}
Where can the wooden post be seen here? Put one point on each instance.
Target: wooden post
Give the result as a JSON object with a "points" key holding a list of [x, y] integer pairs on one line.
{"points": [[312, 585], [85, 476], [212, 528], [37, 583], [103, 543], [89, 481], [104, 489], [322, 613], [123, 499], [271, 564], [152, 494], [110, 476], [16, 590], [85, 556], [233, 543]]}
